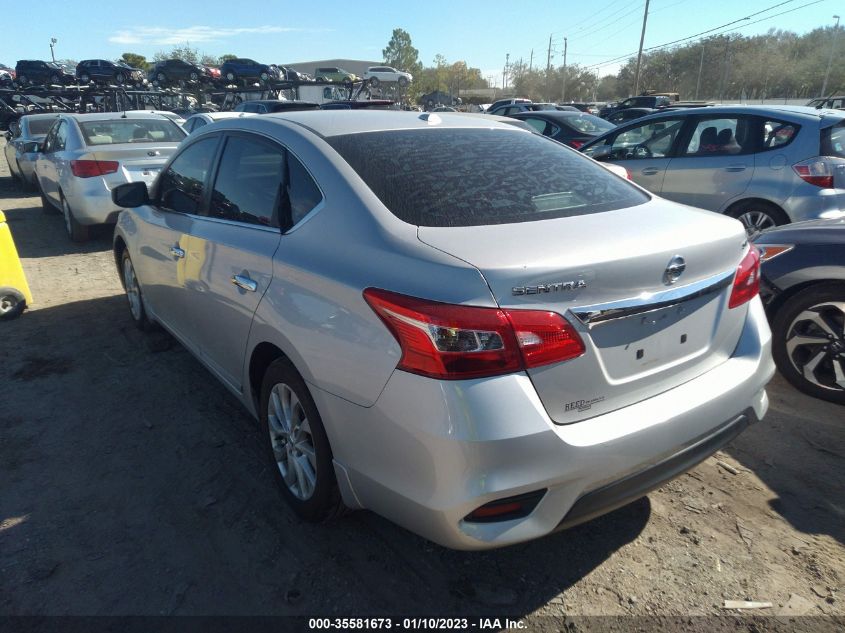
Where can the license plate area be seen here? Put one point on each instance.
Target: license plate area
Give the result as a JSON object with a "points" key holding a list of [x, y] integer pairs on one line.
{"points": [[648, 342]]}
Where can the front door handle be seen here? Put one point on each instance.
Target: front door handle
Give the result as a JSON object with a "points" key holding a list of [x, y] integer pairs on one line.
{"points": [[735, 168], [177, 252], [244, 282], [650, 171]]}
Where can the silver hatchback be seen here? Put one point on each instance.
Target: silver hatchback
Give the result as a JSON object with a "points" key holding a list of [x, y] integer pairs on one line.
{"points": [[483, 356], [765, 165]]}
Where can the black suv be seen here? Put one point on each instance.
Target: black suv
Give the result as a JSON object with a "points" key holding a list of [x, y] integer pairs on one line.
{"points": [[172, 71], [104, 71], [34, 72], [643, 101], [234, 70]]}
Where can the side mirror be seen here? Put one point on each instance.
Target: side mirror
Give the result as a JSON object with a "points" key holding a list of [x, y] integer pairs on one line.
{"points": [[8, 136], [130, 195]]}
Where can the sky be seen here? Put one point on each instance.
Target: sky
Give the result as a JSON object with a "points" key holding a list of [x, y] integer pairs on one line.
{"points": [[480, 32]]}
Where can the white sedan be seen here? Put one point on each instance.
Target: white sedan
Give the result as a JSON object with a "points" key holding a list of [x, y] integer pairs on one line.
{"points": [[378, 74]]}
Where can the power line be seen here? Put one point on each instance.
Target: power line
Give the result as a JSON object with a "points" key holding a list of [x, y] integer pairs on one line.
{"points": [[710, 31]]}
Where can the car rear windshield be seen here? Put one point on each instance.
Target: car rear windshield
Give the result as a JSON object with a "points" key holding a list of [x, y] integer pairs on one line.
{"points": [[833, 140], [41, 126], [469, 177], [114, 131]]}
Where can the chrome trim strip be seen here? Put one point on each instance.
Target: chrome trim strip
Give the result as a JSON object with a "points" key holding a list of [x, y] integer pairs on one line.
{"points": [[590, 315]]}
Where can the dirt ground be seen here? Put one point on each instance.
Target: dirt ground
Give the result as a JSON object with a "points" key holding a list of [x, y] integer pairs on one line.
{"points": [[132, 483]]}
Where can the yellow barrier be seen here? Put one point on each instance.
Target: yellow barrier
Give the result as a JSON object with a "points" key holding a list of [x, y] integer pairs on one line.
{"points": [[14, 291]]}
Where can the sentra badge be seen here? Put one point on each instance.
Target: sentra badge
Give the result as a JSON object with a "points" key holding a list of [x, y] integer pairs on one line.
{"points": [[557, 286]]}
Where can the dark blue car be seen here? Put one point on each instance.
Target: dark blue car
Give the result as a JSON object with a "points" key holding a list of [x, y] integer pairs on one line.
{"points": [[235, 70]]}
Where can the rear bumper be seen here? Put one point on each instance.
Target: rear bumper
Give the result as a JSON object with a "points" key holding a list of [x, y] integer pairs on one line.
{"points": [[632, 487], [809, 202], [429, 452]]}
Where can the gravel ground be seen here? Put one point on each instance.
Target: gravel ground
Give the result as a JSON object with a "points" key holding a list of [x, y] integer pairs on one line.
{"points": [[132, 483]]}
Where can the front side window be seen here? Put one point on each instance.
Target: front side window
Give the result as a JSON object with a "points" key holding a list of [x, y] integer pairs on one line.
{"points": [[453, 177], [720, 136], [248, 182], [180, 187], [648, 140]]}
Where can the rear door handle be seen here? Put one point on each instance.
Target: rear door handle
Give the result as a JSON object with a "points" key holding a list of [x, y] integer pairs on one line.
{"points": [[650, 171], [177, 252], [244, 282], [735, 168]]}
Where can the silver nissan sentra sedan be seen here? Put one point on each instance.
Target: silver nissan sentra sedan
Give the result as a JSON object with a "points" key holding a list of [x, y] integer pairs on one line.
{"points": [[482, 354]]}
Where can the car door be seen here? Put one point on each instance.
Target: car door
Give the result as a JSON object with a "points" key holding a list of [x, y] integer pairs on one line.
{"points": [[235, 240], [12, 145], [53, 162], [165, 260], [715, 162], [644, 148]]}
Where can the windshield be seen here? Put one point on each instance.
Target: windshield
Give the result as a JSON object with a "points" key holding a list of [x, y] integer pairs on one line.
{"points": [[40, 126], [115, 131], [454, 177], [589, 124]]}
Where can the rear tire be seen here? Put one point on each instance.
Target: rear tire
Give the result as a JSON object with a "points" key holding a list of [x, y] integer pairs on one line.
{"points": [[757, 216], [76, 232], [815, 313], [297, 445], [54, 79], [84, 79], [374, 82], [120, 78]]}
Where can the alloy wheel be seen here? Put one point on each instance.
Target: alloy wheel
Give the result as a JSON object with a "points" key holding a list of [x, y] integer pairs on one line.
{"points": [[291, 441], [815, 345], [756, 221], [133, 292]]}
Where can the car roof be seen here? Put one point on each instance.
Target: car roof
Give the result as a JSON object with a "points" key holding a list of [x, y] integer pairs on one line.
{"points": [[216, 116], [110, 116], [329, 123], [48, 115], [797, 112]]}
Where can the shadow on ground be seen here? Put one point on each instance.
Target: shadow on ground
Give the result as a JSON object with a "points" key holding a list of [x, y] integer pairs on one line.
{"points": [[133, 483]]}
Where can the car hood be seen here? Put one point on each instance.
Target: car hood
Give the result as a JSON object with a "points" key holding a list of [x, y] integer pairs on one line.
{"points": [[829, 231]]}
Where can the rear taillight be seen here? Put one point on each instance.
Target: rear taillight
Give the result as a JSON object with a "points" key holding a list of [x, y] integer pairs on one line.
{"points": [[91, 168], [442, 340], [575, 144], [815, 172], [747, 279]]}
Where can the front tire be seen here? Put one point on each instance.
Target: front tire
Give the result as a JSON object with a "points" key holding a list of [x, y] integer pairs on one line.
{"points": [[808, 341], [298, 445], [374, 82], [76, 232], [120, 78], [133, 295]]}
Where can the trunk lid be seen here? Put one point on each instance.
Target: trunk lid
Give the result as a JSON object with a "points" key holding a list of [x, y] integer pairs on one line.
{"points": [[139, 162], [607, 274]]}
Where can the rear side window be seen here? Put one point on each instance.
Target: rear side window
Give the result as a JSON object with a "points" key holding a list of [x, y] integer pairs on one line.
{"points": [[302, 192], [180, 188], [453, 177], [833, 141], [248, 182], [726, 136], [778, 134]]}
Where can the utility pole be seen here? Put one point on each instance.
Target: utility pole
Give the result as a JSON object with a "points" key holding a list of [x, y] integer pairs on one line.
{"points": [[700, 68], [640, 53], [830, 59], [725, 73], [505, 70], [548, 64], [53, 41], [563, 95], [531, 61]]}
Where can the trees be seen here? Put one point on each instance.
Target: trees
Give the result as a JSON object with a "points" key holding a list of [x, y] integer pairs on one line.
{"points": [[401, 54], [135, 60], [185, 53]]}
